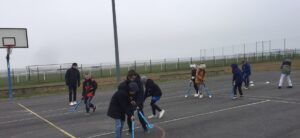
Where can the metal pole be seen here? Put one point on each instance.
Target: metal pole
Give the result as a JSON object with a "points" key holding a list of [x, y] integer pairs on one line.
{"points": [[262, 53], [270, 49], [284, 47], [256, 51], [10, 96], [116, 42], [244, 51]]}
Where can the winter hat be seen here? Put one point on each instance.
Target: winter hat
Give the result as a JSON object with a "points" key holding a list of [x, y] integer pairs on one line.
{"points": [[144, 79], [74, 64], [133, 87], [193, 65], [202, 66]]}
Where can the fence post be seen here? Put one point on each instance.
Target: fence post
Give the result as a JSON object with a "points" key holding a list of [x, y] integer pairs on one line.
{"points": [[81, 71], [256, 56], [61, 78], [29, 73], [178, 64], [145, 67], [38, 73], [101, 70], [191, 60], [135, 65], [165, 64], [150, 66], [262, 53]]}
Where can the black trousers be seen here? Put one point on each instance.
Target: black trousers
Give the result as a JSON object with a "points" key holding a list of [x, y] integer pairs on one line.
{"points": [[72, 93], [237, 87], [246, 80], [88, 104], [142, 121], [195, 86]]}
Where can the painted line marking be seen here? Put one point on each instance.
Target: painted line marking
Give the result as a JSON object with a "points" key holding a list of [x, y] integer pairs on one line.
{"points": [[50, 123], [191, 116]]}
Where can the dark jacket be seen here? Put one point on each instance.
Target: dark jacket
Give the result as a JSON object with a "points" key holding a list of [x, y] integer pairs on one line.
{"points": [[152, 89], [193, 74], [72, 77], [120, 104], [139, 97], [237, 74], [89, 87], [246, 68], [286, 67]]}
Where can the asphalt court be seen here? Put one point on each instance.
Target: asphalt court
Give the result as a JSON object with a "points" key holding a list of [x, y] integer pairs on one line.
{"points": [[264, 112]]}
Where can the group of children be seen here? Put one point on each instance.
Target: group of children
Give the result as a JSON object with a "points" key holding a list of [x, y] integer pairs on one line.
{"points": [[132, 92], [129, 99]]}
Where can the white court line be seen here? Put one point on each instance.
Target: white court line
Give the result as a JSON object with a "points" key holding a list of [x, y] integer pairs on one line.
{"points": [[193, 116], [48, 122]]}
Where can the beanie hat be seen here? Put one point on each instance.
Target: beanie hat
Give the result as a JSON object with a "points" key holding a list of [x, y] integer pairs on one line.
{"points": [[133, 87], [144, 79]]}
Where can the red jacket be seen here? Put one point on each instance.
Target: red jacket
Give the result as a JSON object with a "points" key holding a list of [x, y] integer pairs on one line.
{"points": [[89, 87]]}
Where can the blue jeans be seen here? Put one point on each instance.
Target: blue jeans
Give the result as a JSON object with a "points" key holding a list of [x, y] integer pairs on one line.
{"points": [[119, 127], [153, 105]]}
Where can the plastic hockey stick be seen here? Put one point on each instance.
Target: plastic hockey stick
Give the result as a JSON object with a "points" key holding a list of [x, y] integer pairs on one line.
{"points": [[188, 93], [150, 126], [132, 128], [73, 109], [205, 89], [231, 92]]}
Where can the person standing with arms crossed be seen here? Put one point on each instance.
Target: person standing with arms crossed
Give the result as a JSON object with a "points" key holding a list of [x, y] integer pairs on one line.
{"points": [[72, 79]]}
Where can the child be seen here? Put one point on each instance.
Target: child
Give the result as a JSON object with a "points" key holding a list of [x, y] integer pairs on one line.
{"points": [[246, 69], [285, 73], [120, 104], [237, 80], [200, 77], [193, 77], [153, 90], [89, 87]]}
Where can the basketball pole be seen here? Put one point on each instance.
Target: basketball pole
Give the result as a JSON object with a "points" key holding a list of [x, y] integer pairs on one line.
{"points": [[10, 96], [116, 41]]}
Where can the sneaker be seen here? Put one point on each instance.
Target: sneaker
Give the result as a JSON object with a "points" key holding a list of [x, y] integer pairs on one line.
{"points": [[210, 96], [196, 95], [279, 87], [71, 103], [185, 96], [201, 96], [74, 103], [151, 116], [146, 131], [246, 88], [94, 108], [161, 114], [289, 86], [234, 97], [129, 132]]}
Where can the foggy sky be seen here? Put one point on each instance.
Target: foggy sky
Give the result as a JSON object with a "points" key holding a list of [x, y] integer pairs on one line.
{"points": [[65, 31]]}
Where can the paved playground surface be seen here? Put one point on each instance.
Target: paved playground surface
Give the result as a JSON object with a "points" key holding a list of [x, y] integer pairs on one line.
{"points": [[264, 112]]}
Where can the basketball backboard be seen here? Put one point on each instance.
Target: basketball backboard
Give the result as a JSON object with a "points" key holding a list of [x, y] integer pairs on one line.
{"points": [[13, 37]]}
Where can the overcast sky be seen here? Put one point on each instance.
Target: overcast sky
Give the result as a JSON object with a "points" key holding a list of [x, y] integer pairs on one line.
{"points": [[64, 31]]}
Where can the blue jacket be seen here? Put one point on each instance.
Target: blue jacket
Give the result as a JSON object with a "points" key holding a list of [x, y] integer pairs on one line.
{"points": [[246, 68], [237, 74]]}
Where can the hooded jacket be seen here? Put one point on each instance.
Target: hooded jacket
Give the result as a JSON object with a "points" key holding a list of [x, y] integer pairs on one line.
{"points": [[237, 74], [152, 89], [120, 103], [200, 76]]}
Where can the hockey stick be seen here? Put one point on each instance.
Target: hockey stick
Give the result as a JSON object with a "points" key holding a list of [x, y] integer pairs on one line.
{"points": [[74, 108], [150, 126], [132, 129]]}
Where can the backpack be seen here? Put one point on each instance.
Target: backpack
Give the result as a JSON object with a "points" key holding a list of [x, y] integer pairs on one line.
{"points": [[286, 69]]}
